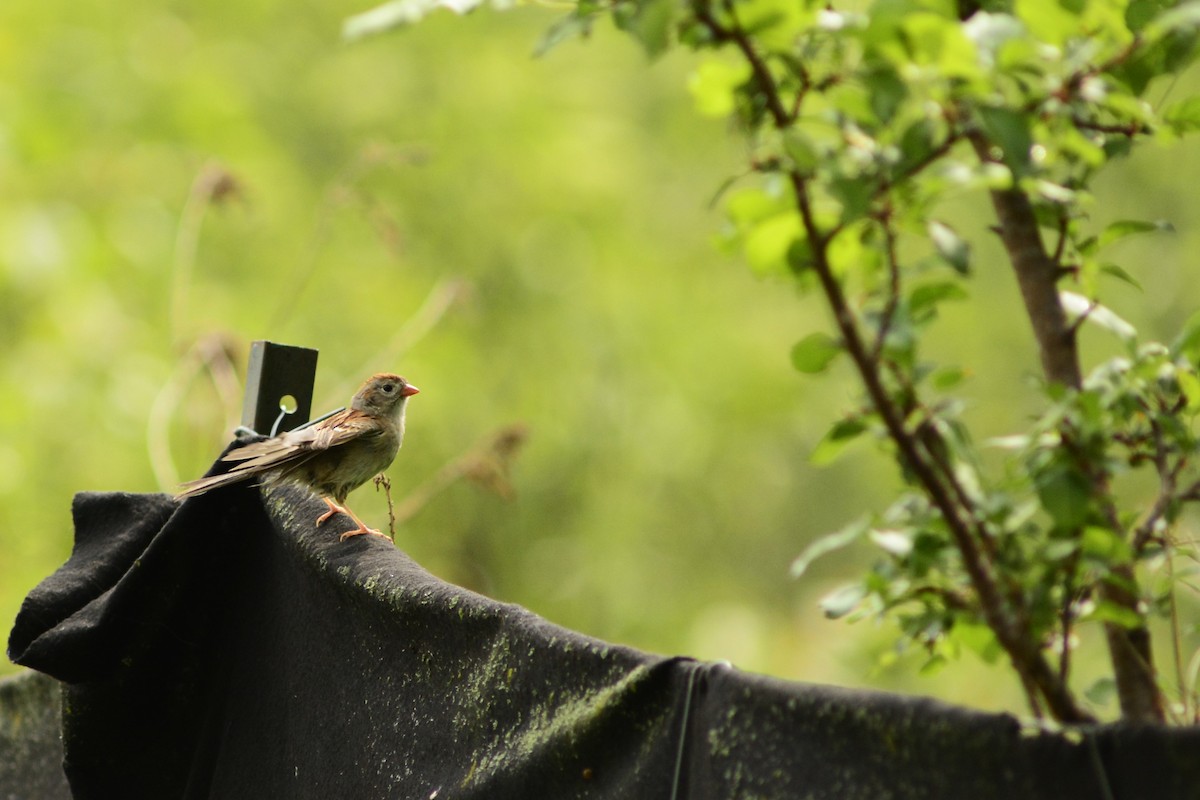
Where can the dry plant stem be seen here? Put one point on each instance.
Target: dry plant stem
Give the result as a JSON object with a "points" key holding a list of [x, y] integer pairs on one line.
{"points": [[342, 191], [211, 184], [489, 456], [385, 482], [210, 352], [437, 303], [889, 309], [421, 496], [1037, 277], [1010, 625], [1176, 638]]}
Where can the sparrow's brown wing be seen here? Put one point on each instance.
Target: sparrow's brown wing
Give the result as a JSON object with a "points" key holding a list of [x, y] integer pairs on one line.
{"points": [[289, 450], [345, 426]]}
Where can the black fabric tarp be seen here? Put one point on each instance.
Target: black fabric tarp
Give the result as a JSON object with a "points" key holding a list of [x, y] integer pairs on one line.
{"points": [[31, 738], [228, 648]]}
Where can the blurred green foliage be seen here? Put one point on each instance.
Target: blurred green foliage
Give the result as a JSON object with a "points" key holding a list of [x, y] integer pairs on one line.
{"points": [[182, 179]]}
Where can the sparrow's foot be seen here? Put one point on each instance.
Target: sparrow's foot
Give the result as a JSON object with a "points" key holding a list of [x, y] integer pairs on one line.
{"points": [[362, 528], [360, 532]]}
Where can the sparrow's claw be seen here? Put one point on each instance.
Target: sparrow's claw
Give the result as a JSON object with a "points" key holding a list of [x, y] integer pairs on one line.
{"points": [[334, 508], [348, 534]]}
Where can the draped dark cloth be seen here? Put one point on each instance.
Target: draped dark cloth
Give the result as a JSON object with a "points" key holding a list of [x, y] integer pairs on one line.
{"points": [[226, 647]]}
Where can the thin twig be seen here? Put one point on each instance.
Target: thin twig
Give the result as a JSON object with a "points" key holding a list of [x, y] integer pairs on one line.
{"points": [[342, 190], [893, 298], [383, 481], [918, 166], [211, 352], [1176, 634], [487, 462], [1168, 477], [1064, 225], [212, 184], [440, 299], [758, 67]]}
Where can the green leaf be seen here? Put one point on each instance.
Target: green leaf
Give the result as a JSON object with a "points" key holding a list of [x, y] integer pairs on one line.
{"points": [[1065, 495], [829, 543], [751, 205], [854, 195], [398, 13], [894, 543], [1059, 549], [1107, 611], [1187, 343], [801, 151], [947, 378], [800, 256], [991, 32], [1055, 192], [814, 352], [853, 251], [1120, 274], [979, 639], [713, 85], [773, 24], [1139, 12], [1014, 442], [1075, 145], [916, 147], [1077, 306], [1009, 130], [1189, 384], [767, 243], [1164, 53], [936, 40], [953, 249], [887, 91], [1101, 692], [572, 26], [1104, 545], [1049, 20], [926, 297], [1130, 227], [842, 601], [1185, 16], [835, 441], [1183, 116], [934, 665], [650, 23]]}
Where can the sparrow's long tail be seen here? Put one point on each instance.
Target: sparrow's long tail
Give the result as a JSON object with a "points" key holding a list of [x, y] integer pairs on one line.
{"points": [[202, 485]]}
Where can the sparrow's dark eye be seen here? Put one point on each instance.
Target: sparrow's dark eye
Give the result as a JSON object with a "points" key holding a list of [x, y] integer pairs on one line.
{"points": [[388, 388]]}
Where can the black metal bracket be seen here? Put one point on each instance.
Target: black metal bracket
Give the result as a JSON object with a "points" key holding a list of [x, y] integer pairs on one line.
{"points": [[277, 372]]}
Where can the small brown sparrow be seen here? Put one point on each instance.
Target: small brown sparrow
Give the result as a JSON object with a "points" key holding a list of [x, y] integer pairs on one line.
{"points": [[333, 456]]}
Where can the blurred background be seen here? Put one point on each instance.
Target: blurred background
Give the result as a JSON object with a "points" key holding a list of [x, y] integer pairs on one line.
{"points": [[529, 240]]}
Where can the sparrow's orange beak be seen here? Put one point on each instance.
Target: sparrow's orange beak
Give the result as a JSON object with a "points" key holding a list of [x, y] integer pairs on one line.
{"points": [[409, 390]]}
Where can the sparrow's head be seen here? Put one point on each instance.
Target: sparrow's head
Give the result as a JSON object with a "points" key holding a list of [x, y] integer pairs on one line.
{"points": [[383, 394]]}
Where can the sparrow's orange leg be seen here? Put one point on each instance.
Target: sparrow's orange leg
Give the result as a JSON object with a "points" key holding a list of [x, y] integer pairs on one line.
{"points": [[334, 508]]}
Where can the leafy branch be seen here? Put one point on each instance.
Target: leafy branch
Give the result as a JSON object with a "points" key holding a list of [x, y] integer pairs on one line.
{"points": [[864, 125], [921, 449]]}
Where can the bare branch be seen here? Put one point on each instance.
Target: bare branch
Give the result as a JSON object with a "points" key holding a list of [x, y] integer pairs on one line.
{"points": [[1037, 278], [893, 299]]}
